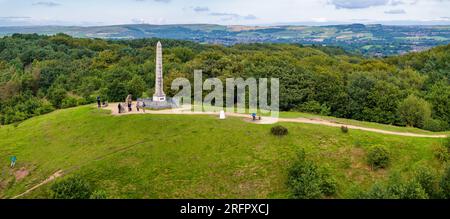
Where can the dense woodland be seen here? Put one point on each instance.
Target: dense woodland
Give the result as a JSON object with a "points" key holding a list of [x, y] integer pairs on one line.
{"points": [[39, 74]]}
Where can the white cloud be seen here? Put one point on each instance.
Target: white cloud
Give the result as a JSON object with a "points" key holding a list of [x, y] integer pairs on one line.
{"points": [[200, 9], [46, 4], [357, 4], [395, 11]]}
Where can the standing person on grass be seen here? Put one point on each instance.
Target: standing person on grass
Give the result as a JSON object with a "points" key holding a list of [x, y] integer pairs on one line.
{"points": [[13, 161], [98, 102]]}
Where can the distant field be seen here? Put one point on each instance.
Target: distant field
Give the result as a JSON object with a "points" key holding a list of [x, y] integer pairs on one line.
{"points": [[386, 40], [179, 156]]}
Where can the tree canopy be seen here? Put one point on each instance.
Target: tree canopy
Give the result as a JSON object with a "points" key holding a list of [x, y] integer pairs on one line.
{"points": [[41, 73]]}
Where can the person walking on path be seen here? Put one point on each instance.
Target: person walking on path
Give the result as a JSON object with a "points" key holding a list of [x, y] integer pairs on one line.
{"points": [[137, 106], [129, 102], [254, 116]]}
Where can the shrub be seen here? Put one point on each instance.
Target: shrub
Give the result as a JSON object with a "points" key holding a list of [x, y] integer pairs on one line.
{"points": [[435, 125], [427, 180], [314, 107], [412, 190], [279, 130], [344, 129], [378, 157], [447, 143], [310, 107], [396, 188], [99, 194], [445, 183], [45, 108], [69, 102], [307, 181], [328, 184], [82, 101], [377, 191], [441, 153], [71, 188], [56, 95]]}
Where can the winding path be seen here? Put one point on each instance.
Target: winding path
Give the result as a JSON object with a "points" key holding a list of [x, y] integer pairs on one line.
{"points": [[270, 120]]}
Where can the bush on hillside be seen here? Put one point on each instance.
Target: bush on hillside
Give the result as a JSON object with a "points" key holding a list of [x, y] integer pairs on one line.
{"points": [[74, 187], [396, 188], [307, 181], [68, 102], [45, 108], [99, 194], [445, 183], [427, 180], [279, 130], [447, 143], [441, 153], [328, 184], [378, 157]]}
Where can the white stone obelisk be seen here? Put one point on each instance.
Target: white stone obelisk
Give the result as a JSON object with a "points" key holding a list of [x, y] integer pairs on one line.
{"points": [[159, 95]]}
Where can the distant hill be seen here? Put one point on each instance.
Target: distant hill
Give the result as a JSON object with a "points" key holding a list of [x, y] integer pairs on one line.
{"points": [[370, 40]]}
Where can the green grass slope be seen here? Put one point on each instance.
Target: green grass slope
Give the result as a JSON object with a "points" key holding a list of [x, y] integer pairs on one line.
{"points": [[191, 156]]}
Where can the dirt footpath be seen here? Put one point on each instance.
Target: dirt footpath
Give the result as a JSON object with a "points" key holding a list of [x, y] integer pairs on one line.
{"points": [[265, 120]]}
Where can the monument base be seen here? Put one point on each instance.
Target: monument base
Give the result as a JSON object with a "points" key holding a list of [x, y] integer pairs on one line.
{"points": [[159, 98], [167, 103]]}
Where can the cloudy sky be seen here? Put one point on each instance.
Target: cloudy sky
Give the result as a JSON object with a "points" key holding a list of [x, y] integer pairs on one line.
{"points": [[245, 12]]}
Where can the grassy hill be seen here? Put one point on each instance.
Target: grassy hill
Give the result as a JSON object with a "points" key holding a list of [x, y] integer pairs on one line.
{"points": [[196, 156]]}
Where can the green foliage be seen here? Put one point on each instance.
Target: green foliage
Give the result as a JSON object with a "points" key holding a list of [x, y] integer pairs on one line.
{"points": [[307, 181], [56, 95], [439, 97], [396, 188], [279, 130], [315, 107], [445, 183], [328, 183], [45, 108], [414, 111], [435, 125], [317, 79], [183, 54], [99, 194], [136, 86], [426, 178], [21, 107], [69, 101], [447, 143], [378, 157], [441, 153], [74, 187]]}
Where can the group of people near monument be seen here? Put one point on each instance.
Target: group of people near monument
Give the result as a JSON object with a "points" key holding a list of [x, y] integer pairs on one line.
{"points": [[101, 103], [129, 105]]}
